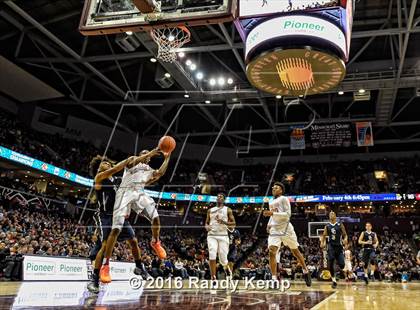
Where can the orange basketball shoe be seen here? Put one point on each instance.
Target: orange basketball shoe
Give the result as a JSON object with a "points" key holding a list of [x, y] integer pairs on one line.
{"points": [[104, 275], [158, 248]]}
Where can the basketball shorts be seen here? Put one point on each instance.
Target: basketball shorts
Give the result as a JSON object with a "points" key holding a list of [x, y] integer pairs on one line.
{"points": [[218, 246], [368, 256], [233, 254], [287, 237], [336, 253], [104, 225], [132, 199], [347, 266]]}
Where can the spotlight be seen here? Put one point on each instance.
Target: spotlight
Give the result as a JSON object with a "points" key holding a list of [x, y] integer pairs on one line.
{"points": [[188, 62], [199, 75], [300, 96], [362, 91], [278, 97], [341, 92], [207, 101], [230, 81], [212, 82], [167, 75], [193, 67], [171, 38], [187, 96], [221, 81], [181, 54], [153, 59], [129, 33]]}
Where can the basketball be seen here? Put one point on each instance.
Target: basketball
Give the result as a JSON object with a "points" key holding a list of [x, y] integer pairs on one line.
{"points": [[167, 144]]}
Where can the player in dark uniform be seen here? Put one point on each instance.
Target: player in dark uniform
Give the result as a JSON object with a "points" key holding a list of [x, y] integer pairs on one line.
{"points": [[369, 241], [234, 244], [106, 186], [336, 233]]}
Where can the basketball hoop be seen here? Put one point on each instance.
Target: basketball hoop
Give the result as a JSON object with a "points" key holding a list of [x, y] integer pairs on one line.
{"points": [[169, 40]]}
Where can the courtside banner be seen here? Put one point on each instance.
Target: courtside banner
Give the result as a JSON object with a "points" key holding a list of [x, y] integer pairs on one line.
{"points": [[121, 270], [40, 268], [44, 167], [47, 268]]}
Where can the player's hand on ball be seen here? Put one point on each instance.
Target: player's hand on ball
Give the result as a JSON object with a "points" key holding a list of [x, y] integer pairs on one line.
{"points": [[268, 213], [156, 151]]}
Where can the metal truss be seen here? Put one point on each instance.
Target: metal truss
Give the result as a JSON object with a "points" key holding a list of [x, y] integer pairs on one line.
{"points": [[374, 75]]}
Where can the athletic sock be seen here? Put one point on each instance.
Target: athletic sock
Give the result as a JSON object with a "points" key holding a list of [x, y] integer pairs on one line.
{"points": [[333, 279], [366, 275], [372, 273], [95, 276], [274, 277]]}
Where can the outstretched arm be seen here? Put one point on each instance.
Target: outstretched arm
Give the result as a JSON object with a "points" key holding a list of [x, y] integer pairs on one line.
{"points": [[157, 174], [138, 159], [110, 172]]}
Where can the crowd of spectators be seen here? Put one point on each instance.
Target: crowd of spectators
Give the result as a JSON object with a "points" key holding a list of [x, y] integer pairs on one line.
{"points": [[396, 259], [73, 155], [29, 230], [401, 175], [36, 230]]}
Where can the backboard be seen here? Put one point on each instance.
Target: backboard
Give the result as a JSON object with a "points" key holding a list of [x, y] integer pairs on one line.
{"points": [[116, 16], [316, 229]]}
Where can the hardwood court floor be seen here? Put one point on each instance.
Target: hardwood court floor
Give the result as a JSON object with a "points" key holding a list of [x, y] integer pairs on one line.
{"points": [[119, 295]]}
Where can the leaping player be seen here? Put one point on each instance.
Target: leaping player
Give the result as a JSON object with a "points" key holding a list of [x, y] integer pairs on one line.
{"points": [[131, 196], [336, 234], [103, 169], [369, 241], [219, 220], [282, 231]]}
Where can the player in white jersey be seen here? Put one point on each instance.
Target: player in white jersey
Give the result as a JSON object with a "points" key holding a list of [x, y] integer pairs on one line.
{"points": [[282, 231], [219, 220], [348, 268], [131, 196]]}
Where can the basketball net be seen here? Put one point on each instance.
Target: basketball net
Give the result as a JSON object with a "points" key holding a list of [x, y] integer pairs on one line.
{"points": [[169, 40]]}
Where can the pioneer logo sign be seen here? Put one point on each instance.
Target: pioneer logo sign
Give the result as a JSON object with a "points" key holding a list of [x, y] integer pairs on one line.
{"points": [[296, 25], [54, 268]]}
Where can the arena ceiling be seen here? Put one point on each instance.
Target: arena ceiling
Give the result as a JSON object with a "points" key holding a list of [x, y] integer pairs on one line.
{"points": [[94, 74]]}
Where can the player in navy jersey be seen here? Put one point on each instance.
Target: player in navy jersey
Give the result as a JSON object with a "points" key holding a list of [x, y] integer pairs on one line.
{"points": [[369, 241], [337, 235], [234, 248], [130, 196], [106, 185]]}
